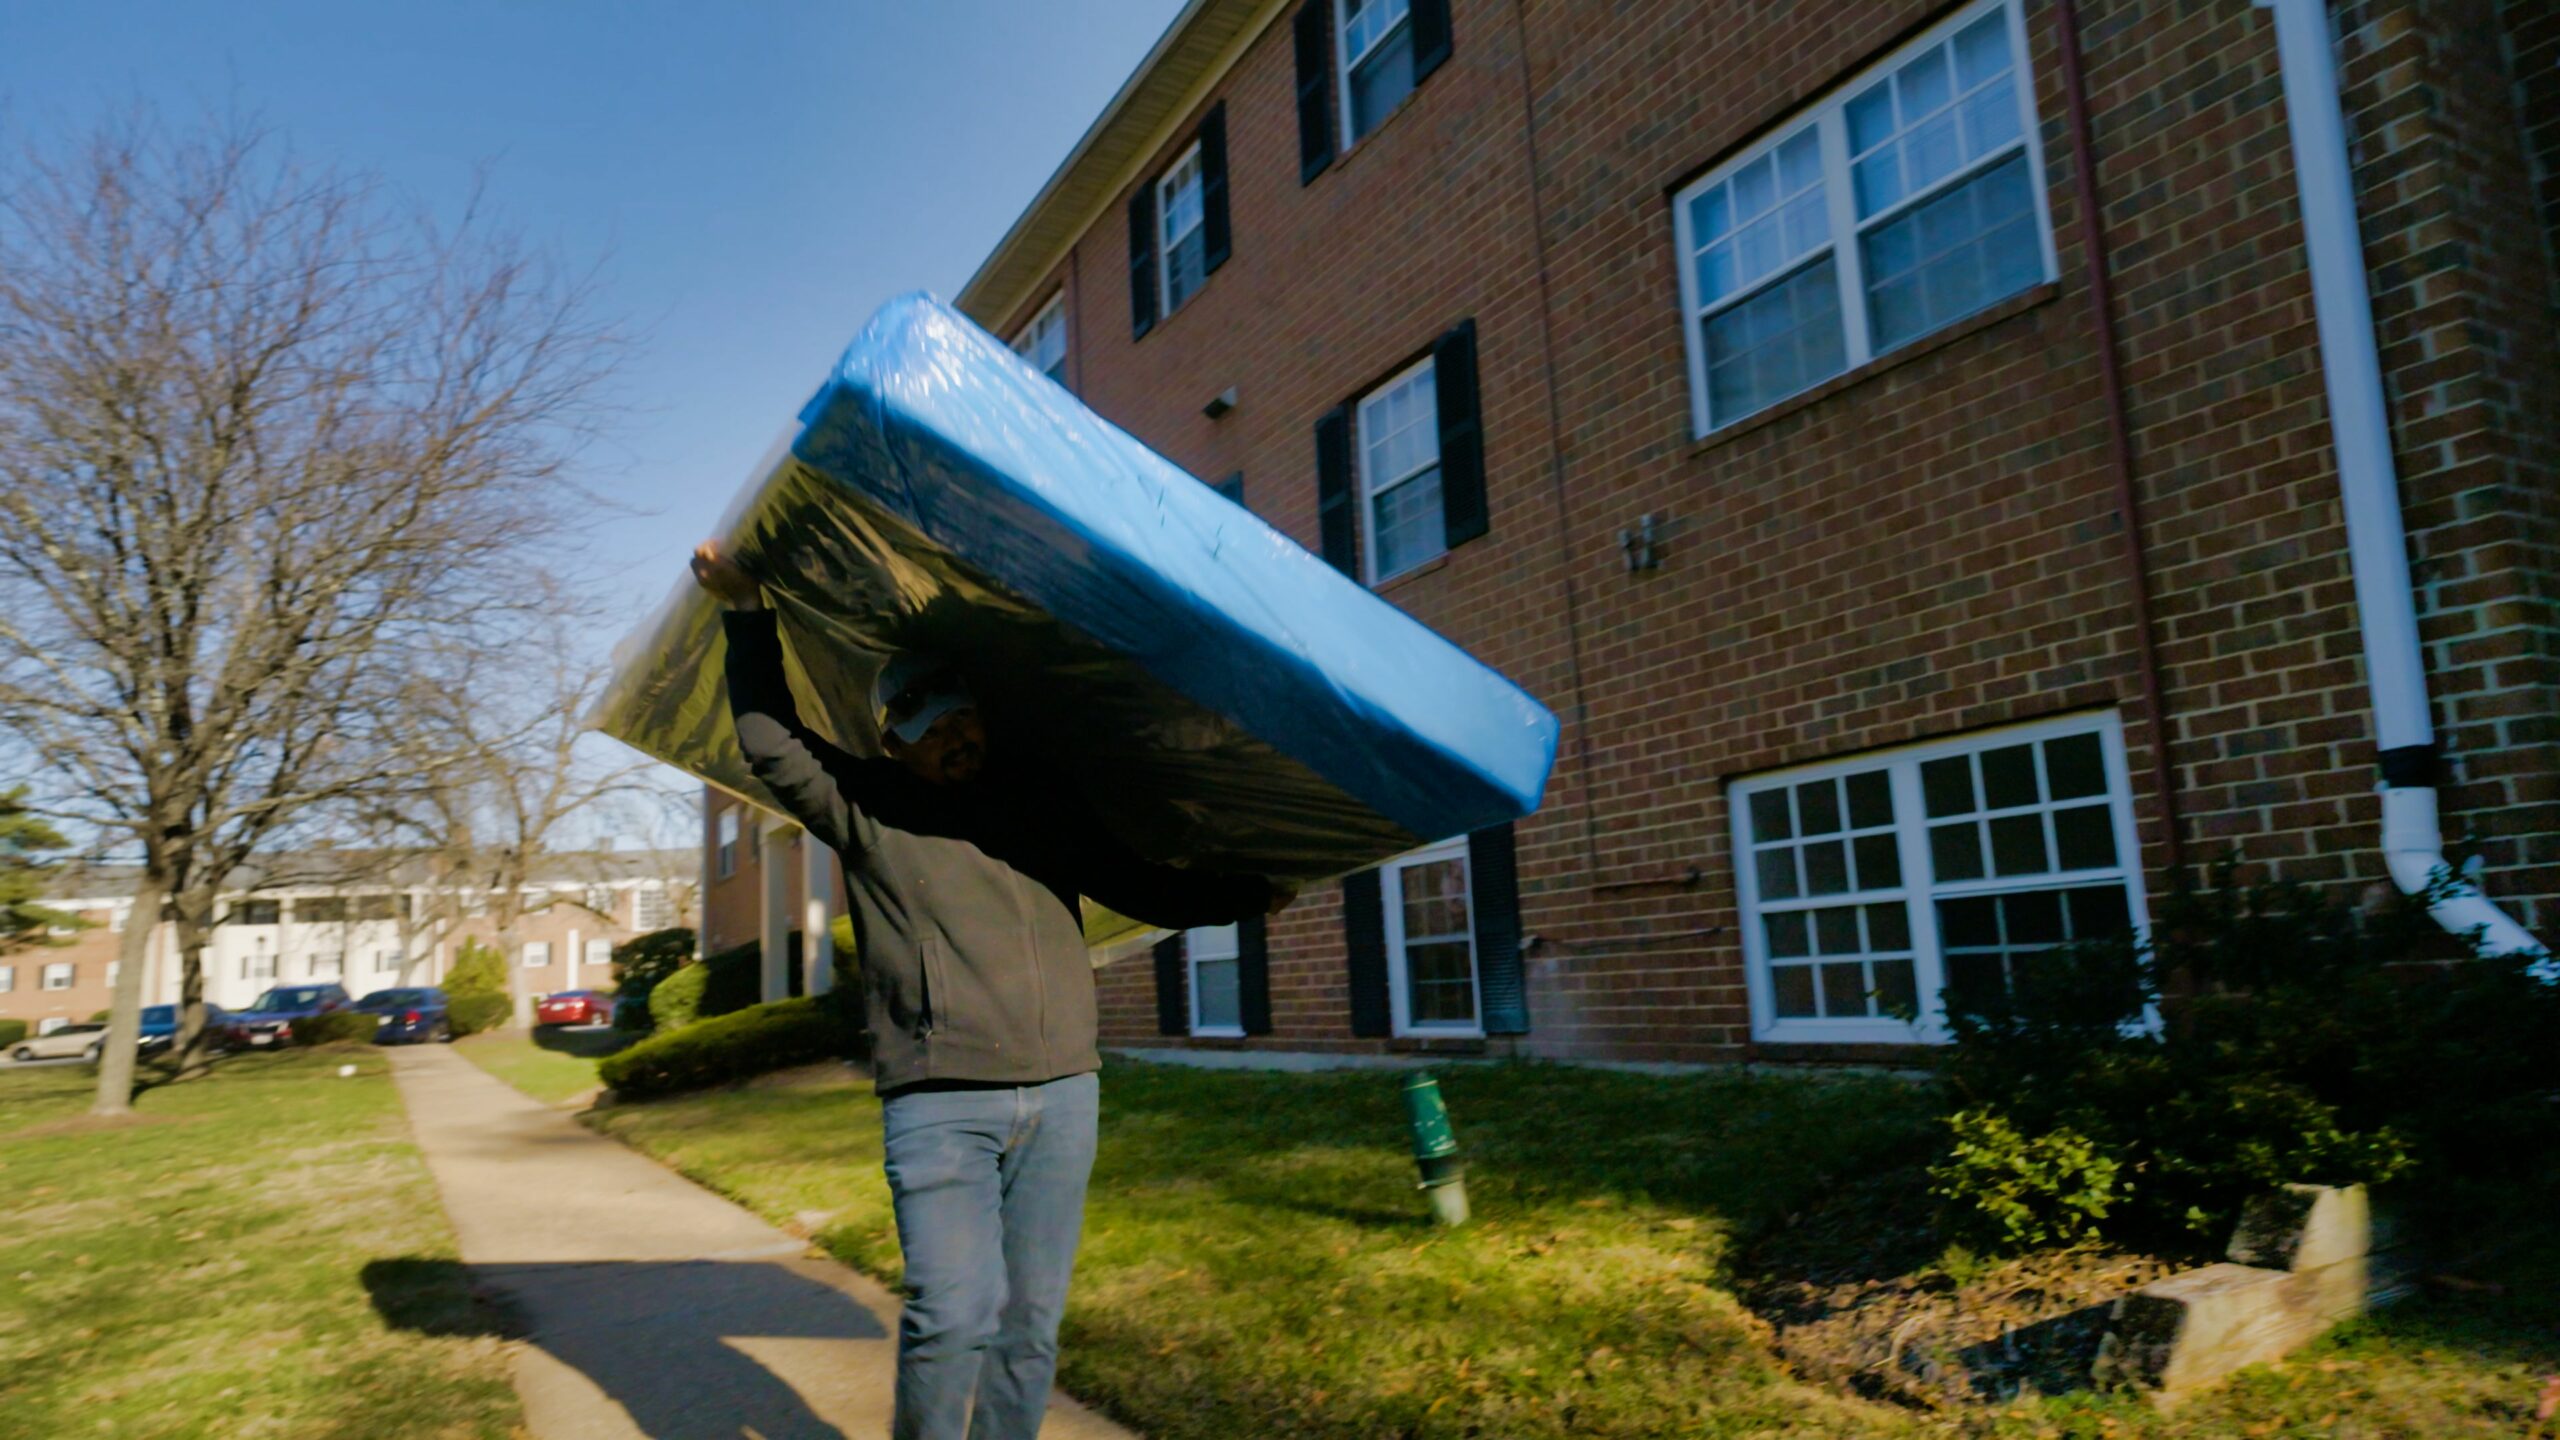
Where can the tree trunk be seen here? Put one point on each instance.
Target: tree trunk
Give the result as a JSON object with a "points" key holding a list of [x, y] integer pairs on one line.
{"points": [[519, 984], [188, 1049], [124, 1023]]}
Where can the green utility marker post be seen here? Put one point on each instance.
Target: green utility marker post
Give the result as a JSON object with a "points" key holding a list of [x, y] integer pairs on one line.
{"points": [[1435, 1149]]}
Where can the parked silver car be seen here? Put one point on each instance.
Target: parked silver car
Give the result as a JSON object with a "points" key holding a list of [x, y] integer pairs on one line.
{"points": [[82, 1040]]}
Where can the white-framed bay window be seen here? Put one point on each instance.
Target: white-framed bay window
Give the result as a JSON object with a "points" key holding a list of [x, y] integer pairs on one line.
{"points": [[1182, 238], [1431, 942], [1043, 342], [1215, 956], [1899, 203], [1869, 885], [1396, 429]]}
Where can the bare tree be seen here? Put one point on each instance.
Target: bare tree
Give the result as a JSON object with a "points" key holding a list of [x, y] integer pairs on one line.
{"points": [[268, 453]]}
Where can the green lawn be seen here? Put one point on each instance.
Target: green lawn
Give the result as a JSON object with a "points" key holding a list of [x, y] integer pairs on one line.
{"points": [[199, 1270], [555, 1067], [1257, 1262]]}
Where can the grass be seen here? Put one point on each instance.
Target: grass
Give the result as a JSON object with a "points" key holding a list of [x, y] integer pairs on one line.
{"points": [[1257, 1262], [555, 1067], [198, 1270]]}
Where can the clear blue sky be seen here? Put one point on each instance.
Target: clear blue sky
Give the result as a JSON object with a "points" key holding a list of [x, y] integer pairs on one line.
{"points": [[756, 176]]}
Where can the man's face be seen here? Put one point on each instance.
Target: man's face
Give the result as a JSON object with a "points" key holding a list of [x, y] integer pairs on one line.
{"points": [[953, 752]]}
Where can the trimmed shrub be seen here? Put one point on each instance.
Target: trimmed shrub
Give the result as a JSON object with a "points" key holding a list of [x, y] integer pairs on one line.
{"points": [[640, 962], [677, 1000], [631, 1015], [477, 970], [102, 1017], [2296, 1040], [471, 1014], [729, 1047], [11, 1032], [336, 1026]]}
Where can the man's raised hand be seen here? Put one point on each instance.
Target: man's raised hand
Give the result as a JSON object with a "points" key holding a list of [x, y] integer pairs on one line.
{"points": [[725, 578]]}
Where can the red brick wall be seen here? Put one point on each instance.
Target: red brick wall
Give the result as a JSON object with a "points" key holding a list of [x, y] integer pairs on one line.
{"points": [[1928, 545]]}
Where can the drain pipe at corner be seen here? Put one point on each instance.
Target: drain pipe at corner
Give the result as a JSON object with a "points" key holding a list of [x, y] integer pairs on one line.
{"points": [[2377, 544]]}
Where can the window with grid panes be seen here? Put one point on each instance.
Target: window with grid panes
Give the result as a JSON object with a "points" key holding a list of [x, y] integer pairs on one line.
{"points": [[656, 909], [1216, 1004], [1878, 886], [1043, 342], [1377, 61], [537, 954], [59, 976], [1903, 202], [1398, 433], [1431, 947], [1182, 234]]}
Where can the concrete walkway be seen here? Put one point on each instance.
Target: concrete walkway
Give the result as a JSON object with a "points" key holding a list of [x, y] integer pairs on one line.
{"points": [[649, 1306]]}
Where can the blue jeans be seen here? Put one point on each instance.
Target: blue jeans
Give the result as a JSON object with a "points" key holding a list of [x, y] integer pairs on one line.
{"points": [[989, 1188]]}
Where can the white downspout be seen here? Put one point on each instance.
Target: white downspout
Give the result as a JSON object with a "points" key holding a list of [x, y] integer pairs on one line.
{"points": [[2377, 544]]}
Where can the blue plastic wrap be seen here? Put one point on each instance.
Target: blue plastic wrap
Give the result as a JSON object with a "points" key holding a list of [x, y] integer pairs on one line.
{"points": [[1220, 696]]}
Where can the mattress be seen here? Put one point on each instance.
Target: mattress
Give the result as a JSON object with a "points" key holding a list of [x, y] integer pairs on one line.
{"points": [[1219, 696]]}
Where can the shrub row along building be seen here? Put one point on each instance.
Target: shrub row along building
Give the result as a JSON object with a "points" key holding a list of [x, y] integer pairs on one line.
{"points": [[1950, 466]]}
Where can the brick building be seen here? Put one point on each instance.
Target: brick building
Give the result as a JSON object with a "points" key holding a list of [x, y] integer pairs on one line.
{"points": [[1922, 572], [369, 933]]}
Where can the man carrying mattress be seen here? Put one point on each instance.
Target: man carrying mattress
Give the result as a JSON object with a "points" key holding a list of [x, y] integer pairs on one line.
{"points": [[963, 873]]}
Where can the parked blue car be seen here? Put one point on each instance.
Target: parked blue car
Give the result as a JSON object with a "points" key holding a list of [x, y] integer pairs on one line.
{"points": [[409, 1015], [269, 1019], [160, 1025]]}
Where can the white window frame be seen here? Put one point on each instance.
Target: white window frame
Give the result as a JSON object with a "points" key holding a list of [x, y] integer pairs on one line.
{"points": [[386, 962], [60, 975], [1425, 373], [648, 896], [724, 850], [1344, 62], [599, 951], [1829, 114], [1192, 942], [258, 965], [1918, 890], [1052, 320], [1391, 897], [536, 955], [8, 979], [1166, 187], [115, 969], [335, 961]]}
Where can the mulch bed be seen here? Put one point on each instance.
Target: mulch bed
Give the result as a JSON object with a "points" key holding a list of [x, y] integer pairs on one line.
{"points": [[1861, 1291]]}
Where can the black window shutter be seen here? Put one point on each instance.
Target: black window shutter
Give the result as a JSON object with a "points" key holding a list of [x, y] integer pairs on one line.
{"points": [[1453, 373], [1142, 260], [1364, 931], [1337, 518], [1253, 976], [1215, 241], [1430, 37], [1493, 867], [1315, 88], [1173, 1002]]}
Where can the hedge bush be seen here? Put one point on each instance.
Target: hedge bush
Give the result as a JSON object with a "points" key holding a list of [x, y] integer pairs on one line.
{"points": [[729, 1047], [11, 1032], [734, 977], [471, 1014], [642, 961], [477, 970], [677, 1000], [2263, 1035], [337, 1025]]}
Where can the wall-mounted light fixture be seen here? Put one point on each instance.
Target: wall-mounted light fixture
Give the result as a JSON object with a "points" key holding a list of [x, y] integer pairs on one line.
{"points": [[1220, 403]]}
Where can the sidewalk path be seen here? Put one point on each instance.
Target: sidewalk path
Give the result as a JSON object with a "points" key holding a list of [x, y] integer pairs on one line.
{"points": [[651, 1306]]}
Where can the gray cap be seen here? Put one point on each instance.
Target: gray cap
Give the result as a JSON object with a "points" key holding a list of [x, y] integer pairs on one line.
{"points": [[915, 690]]}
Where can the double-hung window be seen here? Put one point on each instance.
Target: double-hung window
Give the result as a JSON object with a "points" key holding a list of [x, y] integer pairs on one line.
{"points": [[1882, 885], [59, 976], [1182, 239], [1377, 62], [258, 964], [1431, 942], [1043, 342], [8, 978], [1905, 201], [654, 909], [1215, 956], [725, 854], [385, 961], [537, 954], [599, 951], [328, 967], [1398, 434]]}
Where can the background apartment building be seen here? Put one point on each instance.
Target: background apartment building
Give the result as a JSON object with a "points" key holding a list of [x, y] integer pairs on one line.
{"points": [[367, 933], [1929, 538]]}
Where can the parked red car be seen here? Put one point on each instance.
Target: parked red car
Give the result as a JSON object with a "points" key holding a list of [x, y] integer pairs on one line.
{"points": [[574, 1007]]}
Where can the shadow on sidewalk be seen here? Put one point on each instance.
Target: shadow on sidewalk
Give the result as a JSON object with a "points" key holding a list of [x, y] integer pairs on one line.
{"points": [[655, 1336]]}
